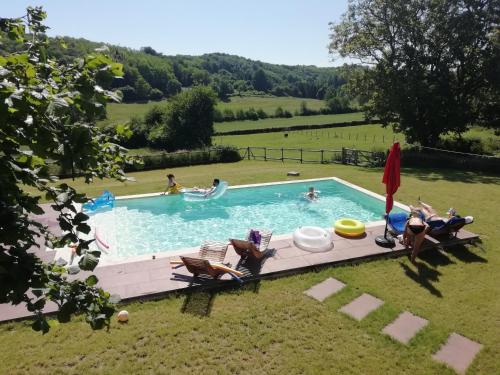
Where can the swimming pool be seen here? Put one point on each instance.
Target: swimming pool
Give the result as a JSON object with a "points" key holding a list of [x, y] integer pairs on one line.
{"points": [[162, 224]]}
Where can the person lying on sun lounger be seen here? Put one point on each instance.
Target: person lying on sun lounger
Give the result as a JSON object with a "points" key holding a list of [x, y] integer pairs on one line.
{"points": [[430, 214]]}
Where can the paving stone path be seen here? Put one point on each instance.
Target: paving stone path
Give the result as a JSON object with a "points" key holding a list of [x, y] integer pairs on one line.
{"points": [[405, 327], [361, 306], [458, 352], [325, 289]]}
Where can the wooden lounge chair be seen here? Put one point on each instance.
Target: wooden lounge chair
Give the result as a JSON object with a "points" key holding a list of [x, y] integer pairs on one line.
{"points": [[248, 249], [198, 266], [209, 261]]}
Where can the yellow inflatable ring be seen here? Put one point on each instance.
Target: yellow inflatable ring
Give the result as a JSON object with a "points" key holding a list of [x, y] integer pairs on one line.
{"points": [[349, 227]]}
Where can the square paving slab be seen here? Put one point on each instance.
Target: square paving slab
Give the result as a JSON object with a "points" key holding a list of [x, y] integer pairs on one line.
{"points": [[361, 306], [405, 327], [325, 289], [458, 352]]}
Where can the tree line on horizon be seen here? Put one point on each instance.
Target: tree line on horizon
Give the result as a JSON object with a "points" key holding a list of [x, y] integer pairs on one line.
{"points": [[150, 75]]}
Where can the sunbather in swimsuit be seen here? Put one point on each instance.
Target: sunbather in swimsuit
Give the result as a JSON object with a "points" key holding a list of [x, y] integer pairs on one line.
{"points": [[414, 233]]}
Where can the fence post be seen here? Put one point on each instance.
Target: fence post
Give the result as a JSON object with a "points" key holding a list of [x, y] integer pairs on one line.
{"points": [[300, 156], [248, 150], [265, 153], [355, 157], [322, 151], [282, 159], [343, 155]]}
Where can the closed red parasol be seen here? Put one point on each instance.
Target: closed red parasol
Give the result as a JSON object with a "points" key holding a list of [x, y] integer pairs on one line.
{"points": [[392, 181]]}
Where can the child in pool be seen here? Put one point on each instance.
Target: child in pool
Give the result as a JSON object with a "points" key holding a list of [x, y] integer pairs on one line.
{"points": [[311, 194]]}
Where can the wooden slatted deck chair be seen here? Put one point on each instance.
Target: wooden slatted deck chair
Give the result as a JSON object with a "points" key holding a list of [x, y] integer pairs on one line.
{"points": [[250, 248], [209, 261]]}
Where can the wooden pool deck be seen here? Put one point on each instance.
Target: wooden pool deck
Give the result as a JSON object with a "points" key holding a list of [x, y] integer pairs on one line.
{"points": [[154, 278]]}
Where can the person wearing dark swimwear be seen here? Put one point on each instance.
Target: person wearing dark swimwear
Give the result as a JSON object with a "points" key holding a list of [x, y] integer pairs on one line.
{"points": [[414, 233]]}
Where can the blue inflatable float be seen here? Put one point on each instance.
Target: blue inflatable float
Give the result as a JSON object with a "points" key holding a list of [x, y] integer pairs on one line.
{"points": [[192, 196], [105, 200]]}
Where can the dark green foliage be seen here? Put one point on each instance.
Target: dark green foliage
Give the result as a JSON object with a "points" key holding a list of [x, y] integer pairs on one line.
{"points": [[48, 110], [147, 70], [434, 63], [185, 122], [220, 154]]}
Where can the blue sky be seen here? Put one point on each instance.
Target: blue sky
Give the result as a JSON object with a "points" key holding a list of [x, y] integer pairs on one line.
{"points": [[277, 31]]}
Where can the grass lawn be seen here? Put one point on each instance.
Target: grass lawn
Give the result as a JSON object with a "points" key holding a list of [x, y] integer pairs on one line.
{"points": [[269, 104], [122, 112], [222, 127], [362, 137], [272, 327]]}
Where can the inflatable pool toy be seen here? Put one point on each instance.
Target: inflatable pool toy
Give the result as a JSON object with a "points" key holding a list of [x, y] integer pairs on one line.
{"points": [[313, 239], [106, 199], [101, 244], [349, 227], [122, 316], [194, 195]]}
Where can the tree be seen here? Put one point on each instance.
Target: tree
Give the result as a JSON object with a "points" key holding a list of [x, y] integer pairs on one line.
{"points": [[260, 81], [186, 122], [48, 110], [429, 61]]}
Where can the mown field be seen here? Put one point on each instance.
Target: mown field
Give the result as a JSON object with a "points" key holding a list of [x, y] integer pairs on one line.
{"points": [[223, 127], [272, 327], [122, 112], [363, 137]]}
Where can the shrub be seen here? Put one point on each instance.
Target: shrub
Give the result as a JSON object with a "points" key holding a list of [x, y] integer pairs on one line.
{"points": [[221, 154], [155, 94], [228, 115]]}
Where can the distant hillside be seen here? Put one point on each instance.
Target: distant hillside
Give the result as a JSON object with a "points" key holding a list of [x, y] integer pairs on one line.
{"points": [[151, 75]]}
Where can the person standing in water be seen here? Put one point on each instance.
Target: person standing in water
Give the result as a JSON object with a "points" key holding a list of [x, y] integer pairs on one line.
{"points": [[172, 186]]}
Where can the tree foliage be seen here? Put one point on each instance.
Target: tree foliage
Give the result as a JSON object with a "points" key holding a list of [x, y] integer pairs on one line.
{"points": [[48, 110], [185, 122], [227, 74], [434, 63]]}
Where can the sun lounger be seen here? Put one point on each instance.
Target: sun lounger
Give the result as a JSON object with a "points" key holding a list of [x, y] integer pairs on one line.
{"points": [[198, 266], [396, 222], [255, 246], [450, 227]]}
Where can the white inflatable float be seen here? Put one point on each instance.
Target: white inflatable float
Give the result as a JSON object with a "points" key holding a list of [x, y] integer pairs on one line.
{"points": [[313, 239], [193, 196]]}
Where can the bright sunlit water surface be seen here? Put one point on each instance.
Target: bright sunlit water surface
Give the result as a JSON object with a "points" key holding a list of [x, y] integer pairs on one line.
{"points": [[150, 225]]}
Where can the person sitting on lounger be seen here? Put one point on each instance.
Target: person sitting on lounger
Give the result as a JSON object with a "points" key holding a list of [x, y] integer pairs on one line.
{"points": [[414, 233]]}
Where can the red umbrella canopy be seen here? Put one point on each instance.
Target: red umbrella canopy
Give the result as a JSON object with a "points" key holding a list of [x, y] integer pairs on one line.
{"points": [[391, 177]]}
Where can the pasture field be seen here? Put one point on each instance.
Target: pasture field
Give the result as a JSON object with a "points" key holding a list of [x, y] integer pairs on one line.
{"points": [[122, 112], [271, 326], [362, 137], [222, 127]]}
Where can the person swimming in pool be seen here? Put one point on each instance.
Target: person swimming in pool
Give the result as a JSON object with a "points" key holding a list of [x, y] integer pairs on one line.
{"points": [[414, 233], [311, 194], [208, 191]]}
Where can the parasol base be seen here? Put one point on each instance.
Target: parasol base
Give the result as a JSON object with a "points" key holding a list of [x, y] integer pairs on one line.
{"points": [[385, 241]]}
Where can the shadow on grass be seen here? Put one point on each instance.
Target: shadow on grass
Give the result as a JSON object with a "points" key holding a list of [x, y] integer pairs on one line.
{"points": [[198, 303], [435, 258], [435, 174], [462, 253], [424, 276]]}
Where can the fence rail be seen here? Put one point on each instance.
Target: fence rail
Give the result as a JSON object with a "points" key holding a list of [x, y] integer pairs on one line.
{"points": [[316, 156]]}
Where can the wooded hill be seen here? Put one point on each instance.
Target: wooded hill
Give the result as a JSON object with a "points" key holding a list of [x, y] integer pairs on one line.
{"points": [[150, 75]]}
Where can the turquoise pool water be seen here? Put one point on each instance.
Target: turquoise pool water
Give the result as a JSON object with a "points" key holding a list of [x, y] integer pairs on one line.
{"points": [[141, 226]]}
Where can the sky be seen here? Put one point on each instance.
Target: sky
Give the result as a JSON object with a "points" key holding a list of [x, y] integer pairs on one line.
{"points": [[291, 32]]}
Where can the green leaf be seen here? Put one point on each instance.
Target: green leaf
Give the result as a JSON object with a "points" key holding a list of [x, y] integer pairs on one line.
{"points": [[91, 280], [88, 262]]}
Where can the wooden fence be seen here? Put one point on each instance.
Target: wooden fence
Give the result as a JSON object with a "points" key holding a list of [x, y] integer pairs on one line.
{"points": [[321, 156]]}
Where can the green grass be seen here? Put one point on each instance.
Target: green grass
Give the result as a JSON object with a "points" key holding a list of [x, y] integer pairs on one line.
{"points": [[287, 122], [272, 327], [363, 137], [122, 112], [269, 104]]}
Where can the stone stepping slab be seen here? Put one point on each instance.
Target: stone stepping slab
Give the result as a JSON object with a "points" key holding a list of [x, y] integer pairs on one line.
{"points": [[361, 306], [458, 352], [325, 289], [405, 327]]}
